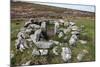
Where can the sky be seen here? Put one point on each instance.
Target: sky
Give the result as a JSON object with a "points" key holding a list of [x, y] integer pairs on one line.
{"points": [[85, 2], [84, 5], [89, 8]]}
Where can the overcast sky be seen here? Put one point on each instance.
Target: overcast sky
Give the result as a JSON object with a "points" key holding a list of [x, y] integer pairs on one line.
{"points": [[89, 8], [86, 2], [87, 5]]}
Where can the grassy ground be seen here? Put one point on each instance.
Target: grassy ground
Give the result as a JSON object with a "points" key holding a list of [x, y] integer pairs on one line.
{"points": [[21, 58]]}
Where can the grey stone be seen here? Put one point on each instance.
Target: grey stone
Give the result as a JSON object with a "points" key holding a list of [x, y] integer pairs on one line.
{"points": [[35, 52], [43, 52], [55, 50], [60, 34], [81, 55], [55, 42], [66, 54], [74, 28], [73, 40], [56, 27], [44, 44]]}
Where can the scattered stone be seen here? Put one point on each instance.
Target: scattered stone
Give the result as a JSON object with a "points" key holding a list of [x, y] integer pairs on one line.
{"points": [[83, 41], [66, 24], [65, 31], [34, 26], [71, 23], [21, 41], [75, 32], [55, 50], [20, 44], [81, 55], [28, 30], [30, 42], [74, 28], [35, 52], [21, 34], [73, 40], [61, 34], [44, 44], [37, 33], [43, 52], [61, 21], [43, 25], [55, 42], [66, 54], [56, 27], [35, 37]]}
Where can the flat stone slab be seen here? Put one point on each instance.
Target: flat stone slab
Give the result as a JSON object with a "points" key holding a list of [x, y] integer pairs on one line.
{"points": [[44, 44]]}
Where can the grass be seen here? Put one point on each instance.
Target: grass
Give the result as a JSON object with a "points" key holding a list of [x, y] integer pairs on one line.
{"points": [[22, 57]]}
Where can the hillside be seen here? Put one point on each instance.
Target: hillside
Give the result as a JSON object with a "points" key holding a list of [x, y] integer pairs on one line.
{"points": [[27, 10]]}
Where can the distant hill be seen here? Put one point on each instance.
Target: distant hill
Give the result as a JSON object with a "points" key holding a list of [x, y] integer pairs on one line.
{"points": [[27, 10]]}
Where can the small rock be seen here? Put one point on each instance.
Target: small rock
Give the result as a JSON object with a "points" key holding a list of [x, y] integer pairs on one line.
{"points": [[56, 27], [35, 52], [74, 28], [55, 42], [75, 32], [66, 24], [61, 21], [85, 51], [43, 52], [66, 54], [71, 23], [81, 55], [28, 30], [66, 30], [44, 44], [83, 41], [73, 40], [55, 50], [60, 34]]}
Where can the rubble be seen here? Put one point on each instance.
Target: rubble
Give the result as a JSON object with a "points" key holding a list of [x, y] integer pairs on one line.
{"points": [[35, 33], [66, 54], [73, 40], [35, 52], [44, 44], [60, 34], [43, 52]]}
